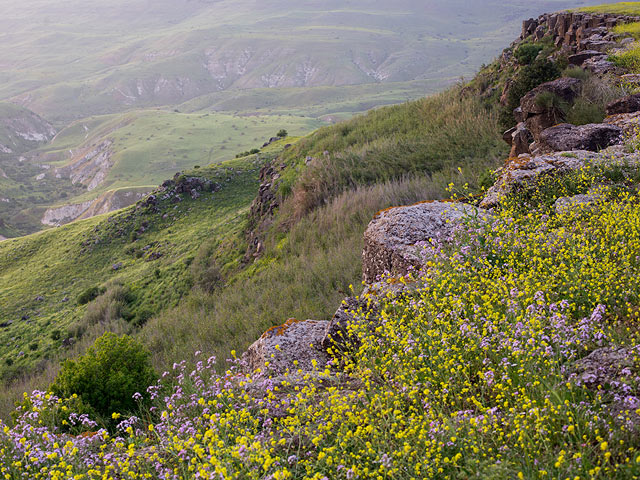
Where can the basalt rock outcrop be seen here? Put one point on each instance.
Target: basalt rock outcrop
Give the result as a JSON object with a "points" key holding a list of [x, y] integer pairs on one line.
{"points": [[628, 104], [262, 209], [536, 115], [526, 170], [567, 137], [295, 345], [394, 240], [576, 31]]}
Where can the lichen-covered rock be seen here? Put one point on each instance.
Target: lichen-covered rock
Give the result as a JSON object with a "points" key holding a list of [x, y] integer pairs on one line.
{"points": [[628, 122], [566, 137], [296, 345], [613, 371], [527, 170], [520, 140], [393, 239], [629, 104]]}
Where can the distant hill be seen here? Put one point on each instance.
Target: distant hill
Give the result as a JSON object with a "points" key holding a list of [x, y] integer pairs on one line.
{"points": [[76, 58]]}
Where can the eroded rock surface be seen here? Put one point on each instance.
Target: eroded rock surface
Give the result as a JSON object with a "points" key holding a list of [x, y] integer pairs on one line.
{"points": [[566, 137], [393, 240], [629, 104], [527, 170], [278, 349]]}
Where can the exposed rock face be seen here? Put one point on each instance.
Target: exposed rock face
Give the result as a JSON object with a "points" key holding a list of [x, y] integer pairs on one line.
{"points": [[628, 104], [65, 214], [393, 239], [277, 350], [89, 167], [579, 58], [567, 137], [575, 31], [537, 116], [519, 138], [262, 209], [526, 170]]}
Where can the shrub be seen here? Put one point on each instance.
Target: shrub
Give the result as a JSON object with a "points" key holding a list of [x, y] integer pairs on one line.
{"points": [[108, 375], [576, 72], [527, 53], [529, 77], [283, 133], [629, 59], [584, 112]]}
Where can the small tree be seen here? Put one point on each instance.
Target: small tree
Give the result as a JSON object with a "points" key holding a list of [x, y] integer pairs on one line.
{"points": [[108, 375], [283, 133]]}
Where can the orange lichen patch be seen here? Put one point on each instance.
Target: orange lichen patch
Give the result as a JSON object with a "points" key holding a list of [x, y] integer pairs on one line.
{"points": [[280, 329]]}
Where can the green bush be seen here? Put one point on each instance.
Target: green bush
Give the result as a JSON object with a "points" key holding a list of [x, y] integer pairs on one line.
{"points": [[529, 77], [108, 375], [584, 112], [527, 53], [283, 133], [576, 72]]}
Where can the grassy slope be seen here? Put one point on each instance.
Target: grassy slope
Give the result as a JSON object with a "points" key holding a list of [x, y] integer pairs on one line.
{"points": [[60, 264], [626, 8], [304, 272], [148, 147]]}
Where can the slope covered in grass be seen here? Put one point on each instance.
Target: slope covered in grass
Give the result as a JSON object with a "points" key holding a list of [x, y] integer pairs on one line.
{"points": [[471, 373]]}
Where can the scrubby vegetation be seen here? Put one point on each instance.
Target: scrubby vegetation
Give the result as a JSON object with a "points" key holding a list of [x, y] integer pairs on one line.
{"points": [[471, 373]]}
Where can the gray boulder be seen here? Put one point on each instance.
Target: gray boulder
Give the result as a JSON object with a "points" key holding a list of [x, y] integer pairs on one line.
{"points": [[567, 137], [394, 239], [579, 58], [278, 349], [629, 104]]}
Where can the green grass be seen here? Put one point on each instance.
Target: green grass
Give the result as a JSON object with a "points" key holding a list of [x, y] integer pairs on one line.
{"points": [[630, 28], [42, 275], [148, 146], [624, 8]]}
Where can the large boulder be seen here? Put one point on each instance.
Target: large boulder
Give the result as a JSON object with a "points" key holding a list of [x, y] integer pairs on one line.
{"points": [[296, 345], [520, 140], [565, 88], [394, 239], [629, 104], [567, 137], [579, 58]]}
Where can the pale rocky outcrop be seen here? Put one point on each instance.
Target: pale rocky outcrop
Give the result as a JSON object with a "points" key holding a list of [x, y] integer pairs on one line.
{"points": [[296, 345], [393, 239], [583, 201], [526, 170]]}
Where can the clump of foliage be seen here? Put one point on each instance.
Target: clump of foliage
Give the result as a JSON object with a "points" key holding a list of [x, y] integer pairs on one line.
{"points": [[529, 77], [90, 294], [527, 53], [282, 133], [632, 29], [107, 376]]}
